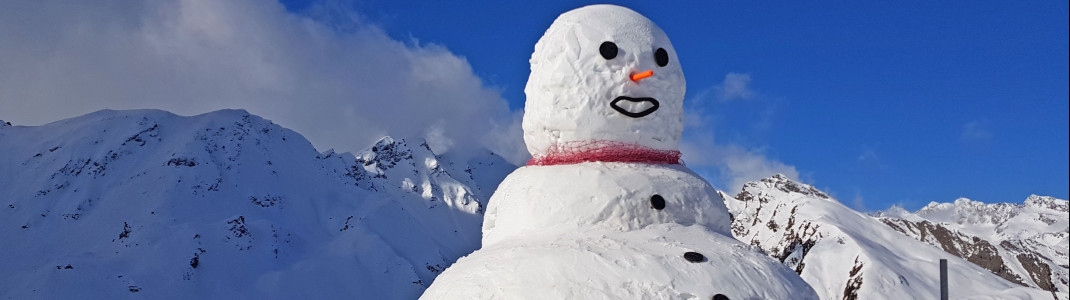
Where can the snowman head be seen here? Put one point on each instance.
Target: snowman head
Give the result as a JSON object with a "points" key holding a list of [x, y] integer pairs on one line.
{"points": [[603, 75]]}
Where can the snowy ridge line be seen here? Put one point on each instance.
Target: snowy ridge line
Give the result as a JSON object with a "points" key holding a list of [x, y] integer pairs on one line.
{"points": [[1024, 243], [845, 254], [227, 204]]}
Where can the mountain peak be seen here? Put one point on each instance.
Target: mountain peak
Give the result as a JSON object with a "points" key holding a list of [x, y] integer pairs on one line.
{"points": [[237, 196], [781, 183], [1047, 202], [385, 141], [386, 154], [963, 201]]}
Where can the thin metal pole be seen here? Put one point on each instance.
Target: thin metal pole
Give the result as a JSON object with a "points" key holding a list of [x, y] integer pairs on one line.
{"points": [[943, 279]]}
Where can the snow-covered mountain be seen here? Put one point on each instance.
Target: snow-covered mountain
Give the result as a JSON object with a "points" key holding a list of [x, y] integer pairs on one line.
{"points": [[845, 254], [1024, 243], [224, 204], [147, 203]]}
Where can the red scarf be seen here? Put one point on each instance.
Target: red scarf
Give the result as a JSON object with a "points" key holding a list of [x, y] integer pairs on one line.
{"points": [[604, 151]]}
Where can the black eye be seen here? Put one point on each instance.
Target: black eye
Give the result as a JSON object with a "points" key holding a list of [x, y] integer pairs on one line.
{"points": [[608, 50], [661, 57]]}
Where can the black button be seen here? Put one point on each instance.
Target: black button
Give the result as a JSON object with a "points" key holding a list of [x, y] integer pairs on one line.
{"points": [[720, 297], [657, 202], [694, 257]]}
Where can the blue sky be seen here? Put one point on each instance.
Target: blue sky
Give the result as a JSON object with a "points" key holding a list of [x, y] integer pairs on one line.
{"points": [[876, 102], [879, 102]]}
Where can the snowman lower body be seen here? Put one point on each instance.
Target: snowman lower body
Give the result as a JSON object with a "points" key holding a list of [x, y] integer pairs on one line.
{"points": [[642, 264], [591, 231]]}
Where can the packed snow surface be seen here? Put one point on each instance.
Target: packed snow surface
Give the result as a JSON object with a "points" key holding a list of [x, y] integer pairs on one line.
{"points": [[590, 231], [611, 196], [595, 263]]}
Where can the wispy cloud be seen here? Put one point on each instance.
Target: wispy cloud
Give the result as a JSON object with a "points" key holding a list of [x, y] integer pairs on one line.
{"points": [[867, 155], [735, 86], [976, 131], [732, 165], [727, 165], [869, 159], [858, 203], [745, 165], [339, 82]]}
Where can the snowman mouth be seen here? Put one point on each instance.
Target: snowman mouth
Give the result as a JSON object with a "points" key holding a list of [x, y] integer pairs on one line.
{"points": [[634, 107]]}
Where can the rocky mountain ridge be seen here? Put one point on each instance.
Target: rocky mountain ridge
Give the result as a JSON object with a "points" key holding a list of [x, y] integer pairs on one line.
{"points": [[1024, 243], [845, 254]]}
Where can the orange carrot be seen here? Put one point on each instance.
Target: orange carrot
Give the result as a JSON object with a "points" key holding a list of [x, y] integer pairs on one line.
{"points": [[637, 76]]}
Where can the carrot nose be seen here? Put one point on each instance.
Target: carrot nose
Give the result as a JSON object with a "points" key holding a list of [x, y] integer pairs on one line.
{"points": [[637, 76]]}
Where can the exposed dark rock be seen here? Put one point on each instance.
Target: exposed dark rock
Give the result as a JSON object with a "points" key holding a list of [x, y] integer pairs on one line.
{"points": [[239, 234], [126, 231], [195, 261], [1039, 271], [970, 248], [347, 226], [772, 225], [182, 162], [266, 201], [434, 268], [850, 292], [141, 140]]}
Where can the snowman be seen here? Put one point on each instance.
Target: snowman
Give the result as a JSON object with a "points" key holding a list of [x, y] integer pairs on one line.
{"points": [[604, 209]]}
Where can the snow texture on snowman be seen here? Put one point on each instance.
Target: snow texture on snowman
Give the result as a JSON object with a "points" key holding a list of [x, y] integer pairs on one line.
{"points": [[604, 209]]}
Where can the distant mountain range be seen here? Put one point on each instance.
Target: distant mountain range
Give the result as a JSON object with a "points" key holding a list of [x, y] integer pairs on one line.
{"points": [[1023, 243], [845, 254], [227, 204]]}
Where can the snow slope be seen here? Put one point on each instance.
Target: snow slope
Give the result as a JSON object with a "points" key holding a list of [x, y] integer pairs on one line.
{"points": [[226, 204], [845, 254], [1024, 243]]}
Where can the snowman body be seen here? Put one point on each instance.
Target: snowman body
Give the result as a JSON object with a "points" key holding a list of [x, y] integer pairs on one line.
{"points": [[604, 210], [592, 231]]}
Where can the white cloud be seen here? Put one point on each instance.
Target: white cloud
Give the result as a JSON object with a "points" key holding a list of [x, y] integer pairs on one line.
{"points": [[869, 159], [727, 166], [867, 155], [735, 87], [976, 130], [744, 165], [340, 83], [858, 203]]}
